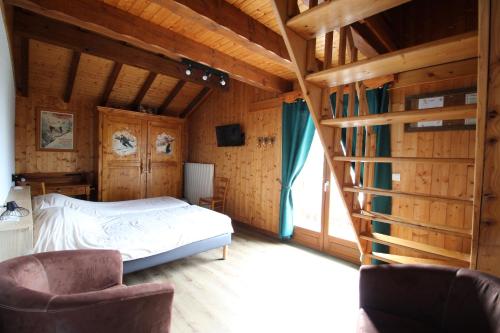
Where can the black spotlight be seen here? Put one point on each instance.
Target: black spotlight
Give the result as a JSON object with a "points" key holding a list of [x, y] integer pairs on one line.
{"points": [[222, 81], [206, 75], [189, 71]]}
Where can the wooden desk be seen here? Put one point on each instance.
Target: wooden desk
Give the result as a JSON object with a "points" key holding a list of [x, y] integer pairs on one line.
{"points": [[67, 183], [69, 189]]}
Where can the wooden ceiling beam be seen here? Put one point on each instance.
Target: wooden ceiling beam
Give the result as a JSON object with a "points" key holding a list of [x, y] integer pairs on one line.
{"points": [[196, 102], [144, 89], [61, 34], [373, 36], [70, 82], [365, 41], [110, 83], [175, 91], [382, 32], [224, 19], [22, 63], [114, 23]]}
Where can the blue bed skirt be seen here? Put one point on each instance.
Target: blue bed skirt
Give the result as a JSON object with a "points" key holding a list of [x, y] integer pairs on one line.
{"points": [[178, 253]]}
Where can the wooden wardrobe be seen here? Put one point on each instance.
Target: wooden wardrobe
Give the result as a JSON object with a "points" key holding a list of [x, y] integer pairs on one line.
{"points": [[139, 155]]}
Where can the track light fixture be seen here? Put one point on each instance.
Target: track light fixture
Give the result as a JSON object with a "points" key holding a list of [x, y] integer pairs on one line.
{"points": [[206, 75]]}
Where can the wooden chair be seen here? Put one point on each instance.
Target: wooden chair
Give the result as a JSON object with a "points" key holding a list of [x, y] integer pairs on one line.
{"points": [[218, 201]]}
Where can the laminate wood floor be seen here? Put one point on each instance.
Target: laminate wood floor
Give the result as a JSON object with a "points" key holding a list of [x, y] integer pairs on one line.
{"points": [[264, 286]]}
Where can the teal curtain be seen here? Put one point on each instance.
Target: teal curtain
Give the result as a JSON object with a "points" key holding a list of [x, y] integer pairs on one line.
{"points": [[378, 102], [297, 135]]}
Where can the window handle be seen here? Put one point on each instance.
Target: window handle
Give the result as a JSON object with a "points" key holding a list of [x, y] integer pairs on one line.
{"points": [[326, 186]]}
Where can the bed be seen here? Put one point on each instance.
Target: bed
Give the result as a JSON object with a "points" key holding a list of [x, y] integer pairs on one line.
{"points": [[147, 232]]}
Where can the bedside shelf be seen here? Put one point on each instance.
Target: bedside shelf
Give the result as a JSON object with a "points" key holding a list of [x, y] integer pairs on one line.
{"points": [[16, 237]]}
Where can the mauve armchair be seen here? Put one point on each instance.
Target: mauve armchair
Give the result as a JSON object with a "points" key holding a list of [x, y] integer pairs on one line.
{"points": [[79, 291], [427, 298]]}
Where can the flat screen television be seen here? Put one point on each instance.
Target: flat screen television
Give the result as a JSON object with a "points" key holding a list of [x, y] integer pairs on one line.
{"points": [[229, 135]]}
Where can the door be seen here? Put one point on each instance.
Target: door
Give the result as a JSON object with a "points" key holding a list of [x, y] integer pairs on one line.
{"points": [[123, 155], [321, 221], [163, 159]]}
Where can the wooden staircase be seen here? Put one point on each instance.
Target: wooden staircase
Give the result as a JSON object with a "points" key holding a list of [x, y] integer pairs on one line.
{"points": [[300, 31]]}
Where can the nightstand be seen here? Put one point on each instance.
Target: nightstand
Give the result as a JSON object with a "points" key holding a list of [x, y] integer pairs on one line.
{"points": [[16, 237]]}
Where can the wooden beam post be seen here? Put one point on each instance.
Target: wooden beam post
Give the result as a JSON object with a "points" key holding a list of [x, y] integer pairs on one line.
{"points": [[312, 65], [171, 96], [144, 89], [22, 66], [196, 102], [110, 83], [382, 31], [70, 82]]}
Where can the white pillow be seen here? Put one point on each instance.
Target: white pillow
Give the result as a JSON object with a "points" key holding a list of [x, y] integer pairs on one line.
{"points": [[52, 200], [63, 228]]}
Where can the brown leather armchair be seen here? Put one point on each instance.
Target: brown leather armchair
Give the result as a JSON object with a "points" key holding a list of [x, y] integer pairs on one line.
{"points": [[79, 291], [425, 298]]}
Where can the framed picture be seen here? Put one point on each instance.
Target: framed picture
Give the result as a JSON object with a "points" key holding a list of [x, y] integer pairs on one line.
{"points": [[55, 130]]}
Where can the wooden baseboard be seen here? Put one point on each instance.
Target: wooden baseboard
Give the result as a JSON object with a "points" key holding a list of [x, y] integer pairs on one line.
{"points": [[238, 225], [248, 228]]}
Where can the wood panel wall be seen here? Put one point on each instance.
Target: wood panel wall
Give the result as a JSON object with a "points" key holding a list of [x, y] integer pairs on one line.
{"points": [[254, 191], [455, 180], [28, 159], [418, 22]]}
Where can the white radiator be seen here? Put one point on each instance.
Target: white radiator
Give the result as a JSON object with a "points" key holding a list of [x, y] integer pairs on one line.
{"points": [[198, 181]]}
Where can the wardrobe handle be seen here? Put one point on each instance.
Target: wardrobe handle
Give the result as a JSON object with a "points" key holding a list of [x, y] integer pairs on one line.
{"points": [[150, 168], [142, 166]]}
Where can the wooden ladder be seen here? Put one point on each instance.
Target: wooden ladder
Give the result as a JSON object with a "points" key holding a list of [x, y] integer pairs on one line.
{"points": [[300, 31]]}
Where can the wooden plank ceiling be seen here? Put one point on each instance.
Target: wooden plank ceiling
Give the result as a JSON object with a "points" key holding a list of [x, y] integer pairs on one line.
{"points": [[140, 45], [160, 12], [239, 37]]}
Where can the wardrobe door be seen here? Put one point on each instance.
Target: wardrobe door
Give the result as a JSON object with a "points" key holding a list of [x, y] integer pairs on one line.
{"points": [[164, 153], [123, 158]]}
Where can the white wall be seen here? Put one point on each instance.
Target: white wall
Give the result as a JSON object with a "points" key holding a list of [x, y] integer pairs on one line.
{"points": [[7, 109]]}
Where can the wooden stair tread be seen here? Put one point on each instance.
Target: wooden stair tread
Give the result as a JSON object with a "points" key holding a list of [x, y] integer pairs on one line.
{"points": [[450, 49], [394, 159], [410, 116], [392, 193], [399, 259], [331, 15], [416, 246], [390, 219]]}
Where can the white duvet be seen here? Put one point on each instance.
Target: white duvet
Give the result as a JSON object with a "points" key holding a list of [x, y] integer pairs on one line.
{"points": [[106, 208], [137, 228]]}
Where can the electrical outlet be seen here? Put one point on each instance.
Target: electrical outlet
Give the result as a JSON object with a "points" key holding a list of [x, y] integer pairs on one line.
{"points": [[396, 177]]}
